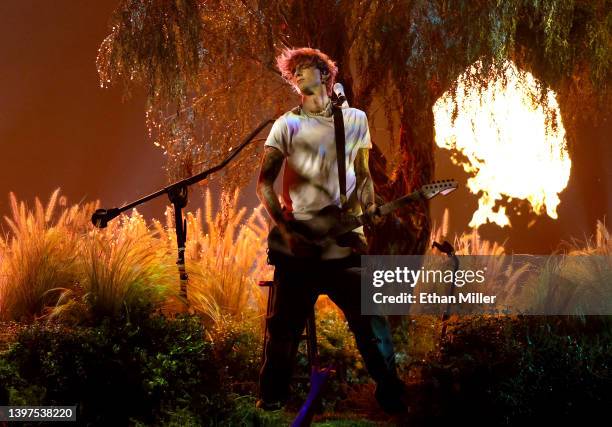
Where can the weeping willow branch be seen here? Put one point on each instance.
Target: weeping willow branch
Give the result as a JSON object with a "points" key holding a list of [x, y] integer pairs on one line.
{"points": [[405, 52]]}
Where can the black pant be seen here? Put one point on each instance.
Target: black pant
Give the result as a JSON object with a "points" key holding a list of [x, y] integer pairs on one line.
{"points": [[296, 292]]}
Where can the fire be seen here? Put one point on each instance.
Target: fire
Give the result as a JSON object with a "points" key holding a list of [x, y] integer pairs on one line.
{"points": [[510, 145]]}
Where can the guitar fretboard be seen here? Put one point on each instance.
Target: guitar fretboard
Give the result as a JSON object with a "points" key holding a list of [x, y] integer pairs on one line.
{"points": [[352, 222], [387, 208]]}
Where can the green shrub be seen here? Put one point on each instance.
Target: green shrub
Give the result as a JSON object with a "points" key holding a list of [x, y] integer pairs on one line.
{"points": [[514, 370], [121, 371], [337, 348], [239, 344], [14, 390], [245, 414]]}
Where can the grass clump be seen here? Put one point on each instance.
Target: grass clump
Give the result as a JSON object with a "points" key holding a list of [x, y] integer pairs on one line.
{"points": [[39, 255], [226, 257]]}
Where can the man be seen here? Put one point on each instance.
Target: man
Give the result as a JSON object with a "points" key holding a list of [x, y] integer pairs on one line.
{"points": [[304, 139]]}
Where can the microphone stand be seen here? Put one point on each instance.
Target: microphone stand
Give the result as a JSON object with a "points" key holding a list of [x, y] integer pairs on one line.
{"points": [[447, 248], [177, 193]]}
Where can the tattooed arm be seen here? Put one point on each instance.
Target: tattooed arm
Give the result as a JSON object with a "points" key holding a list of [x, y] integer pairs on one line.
{"points": [[270, 168], [365, 185]]}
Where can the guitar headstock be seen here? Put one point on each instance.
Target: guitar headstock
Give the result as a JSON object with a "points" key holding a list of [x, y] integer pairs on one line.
{"points": [[443, 187]]}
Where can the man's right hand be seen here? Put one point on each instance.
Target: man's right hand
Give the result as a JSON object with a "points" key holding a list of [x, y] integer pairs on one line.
{"points": [[299, 244]]}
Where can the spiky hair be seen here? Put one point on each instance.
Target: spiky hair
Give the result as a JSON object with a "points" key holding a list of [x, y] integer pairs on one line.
{"points": [[289, 59]]}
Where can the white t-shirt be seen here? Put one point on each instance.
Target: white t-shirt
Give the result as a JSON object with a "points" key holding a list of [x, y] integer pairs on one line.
{"points": [[310, 180]]}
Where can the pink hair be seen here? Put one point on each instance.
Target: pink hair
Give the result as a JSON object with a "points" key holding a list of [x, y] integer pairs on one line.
{"points": [[289, 59]]}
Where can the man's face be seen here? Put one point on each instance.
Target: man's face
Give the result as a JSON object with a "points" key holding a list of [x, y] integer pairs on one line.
{"points": [[306, 78]]}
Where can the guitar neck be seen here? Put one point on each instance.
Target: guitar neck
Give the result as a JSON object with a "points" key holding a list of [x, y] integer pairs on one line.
{"points": [[387, 208], [351, 223]]}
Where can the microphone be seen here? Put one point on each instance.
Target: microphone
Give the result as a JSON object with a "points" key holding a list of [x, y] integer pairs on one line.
{"points": [[101, 217], [341, 97]]}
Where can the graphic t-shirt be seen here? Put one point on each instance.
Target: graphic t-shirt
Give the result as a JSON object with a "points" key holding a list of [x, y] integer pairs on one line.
{"points": [[310, 179]]}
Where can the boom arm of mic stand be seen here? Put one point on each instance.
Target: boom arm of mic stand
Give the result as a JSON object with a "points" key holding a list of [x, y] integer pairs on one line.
{"points": [[177, 193], [101, 217]]}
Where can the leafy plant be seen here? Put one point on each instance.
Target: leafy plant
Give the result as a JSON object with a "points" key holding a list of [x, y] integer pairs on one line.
{"points": [[149, 371], [521, 368]]}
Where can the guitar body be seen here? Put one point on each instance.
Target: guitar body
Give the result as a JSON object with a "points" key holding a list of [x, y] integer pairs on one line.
{"points": [[332, 227], [324, 230]]}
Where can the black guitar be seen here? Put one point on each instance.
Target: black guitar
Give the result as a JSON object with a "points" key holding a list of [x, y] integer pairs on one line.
{"points": [[330, 226]]}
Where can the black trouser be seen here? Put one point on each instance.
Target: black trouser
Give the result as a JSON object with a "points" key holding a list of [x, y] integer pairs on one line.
{"points": [[295, 294]]}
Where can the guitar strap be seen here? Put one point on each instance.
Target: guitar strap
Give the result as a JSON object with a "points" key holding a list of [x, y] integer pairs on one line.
{"points": [[340, 153]]}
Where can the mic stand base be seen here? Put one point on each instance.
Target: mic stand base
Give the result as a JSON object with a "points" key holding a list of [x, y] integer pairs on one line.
{"points": [[178, 198]]}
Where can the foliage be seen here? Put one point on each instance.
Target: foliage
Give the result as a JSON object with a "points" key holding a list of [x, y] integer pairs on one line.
{"points": [[225, 256], [55, 266], [238, 342], [396, 58], [184, 374], [144, 371], [575, 281], [246, 414], [194, 92], [414, 338], [407, 51], [158, 43], [125, 269], [464, 244], [39, 255], [519, 369], [65, 270], [571, 284], [157, 371], [337, 346], [14, 389]]}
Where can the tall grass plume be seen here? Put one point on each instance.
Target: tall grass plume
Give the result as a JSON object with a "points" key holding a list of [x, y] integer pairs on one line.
{"points": [[38, 255]]}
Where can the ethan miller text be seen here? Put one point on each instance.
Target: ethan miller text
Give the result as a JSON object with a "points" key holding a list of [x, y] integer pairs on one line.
{"points": [[469, 298]]}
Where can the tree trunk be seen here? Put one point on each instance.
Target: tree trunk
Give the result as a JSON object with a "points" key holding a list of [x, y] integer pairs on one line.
{"points": [[407, 231]]}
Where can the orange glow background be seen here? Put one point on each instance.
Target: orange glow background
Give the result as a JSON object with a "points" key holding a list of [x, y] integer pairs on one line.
{"points": [[58, 128]]}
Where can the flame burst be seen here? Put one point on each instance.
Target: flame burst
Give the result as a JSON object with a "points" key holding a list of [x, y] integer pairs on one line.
{"points": [[510, 145]]}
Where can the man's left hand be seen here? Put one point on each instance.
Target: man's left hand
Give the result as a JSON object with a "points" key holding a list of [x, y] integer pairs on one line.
{"points": [[373, 214]]}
